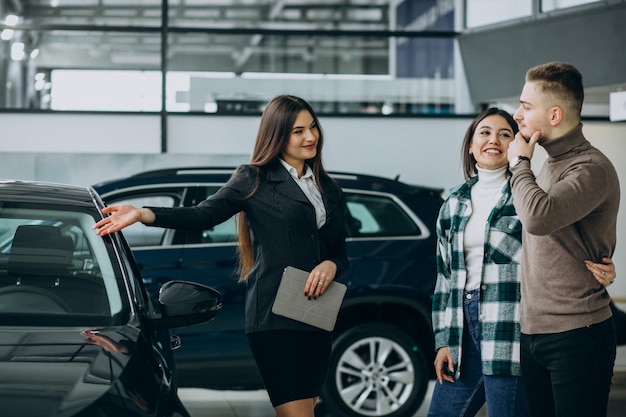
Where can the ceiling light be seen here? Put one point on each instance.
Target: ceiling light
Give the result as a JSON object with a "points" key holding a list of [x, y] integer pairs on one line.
{"points": [[17, 51], [7, 34], [11, 20]]}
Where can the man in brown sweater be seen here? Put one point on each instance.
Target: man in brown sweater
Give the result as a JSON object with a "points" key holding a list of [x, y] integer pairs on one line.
{"points": [[569, 215]]}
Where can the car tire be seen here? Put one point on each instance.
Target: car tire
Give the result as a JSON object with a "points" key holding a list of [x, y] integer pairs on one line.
{"points": [[375, 370]]}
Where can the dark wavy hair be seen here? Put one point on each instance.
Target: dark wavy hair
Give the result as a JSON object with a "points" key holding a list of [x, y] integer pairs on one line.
{"points": [[468, 160]]}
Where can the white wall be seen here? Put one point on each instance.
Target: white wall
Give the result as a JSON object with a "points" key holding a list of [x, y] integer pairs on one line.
{"points": [[83, 133], [420, 150], [85, 149]]}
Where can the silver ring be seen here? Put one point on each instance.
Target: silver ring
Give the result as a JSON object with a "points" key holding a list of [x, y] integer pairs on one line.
{"points": [[320, 283], [603, 273]]}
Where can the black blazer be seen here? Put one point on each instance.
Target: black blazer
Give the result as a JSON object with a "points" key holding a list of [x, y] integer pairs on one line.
{"points": [[283, 228]]}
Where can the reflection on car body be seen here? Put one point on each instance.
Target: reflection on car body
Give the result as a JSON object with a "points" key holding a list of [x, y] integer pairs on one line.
{"points": [[79, 334]]}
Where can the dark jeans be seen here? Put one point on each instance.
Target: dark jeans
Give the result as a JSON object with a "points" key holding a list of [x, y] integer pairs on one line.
{"points": [[569, 374], [503, 394]]}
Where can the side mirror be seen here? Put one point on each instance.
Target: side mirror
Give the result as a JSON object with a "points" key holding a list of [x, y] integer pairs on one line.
{"points": [[186, 303]]}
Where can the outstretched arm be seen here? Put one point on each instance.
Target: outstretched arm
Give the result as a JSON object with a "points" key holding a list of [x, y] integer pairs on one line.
{"points": [[122, 215]]}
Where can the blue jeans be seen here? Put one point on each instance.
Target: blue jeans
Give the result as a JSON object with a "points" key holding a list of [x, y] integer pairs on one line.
{"points": [[569, 374], [503, 394]]}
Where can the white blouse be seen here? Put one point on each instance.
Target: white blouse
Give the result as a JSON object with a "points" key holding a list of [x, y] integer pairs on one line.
{"points": [[309, 187]]}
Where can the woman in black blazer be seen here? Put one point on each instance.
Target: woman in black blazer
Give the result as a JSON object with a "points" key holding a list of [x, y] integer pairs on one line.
{"points": [[291, 213]]}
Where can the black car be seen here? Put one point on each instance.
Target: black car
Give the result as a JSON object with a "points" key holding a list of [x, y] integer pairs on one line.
{"points": [[383, 350], [79, 334]]}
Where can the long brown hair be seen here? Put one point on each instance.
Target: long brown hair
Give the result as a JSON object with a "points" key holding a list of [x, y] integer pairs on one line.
{"points": [[275, 128], [468, 160]]}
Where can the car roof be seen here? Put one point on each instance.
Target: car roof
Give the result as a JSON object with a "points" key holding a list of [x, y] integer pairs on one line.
{"points": [[45, 192], [222, 174]]}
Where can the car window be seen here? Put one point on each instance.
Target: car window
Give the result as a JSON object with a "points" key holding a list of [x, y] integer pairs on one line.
{"points": [[370, 215], [138, 235], [221, 233], [54, 264], [377, 215]]}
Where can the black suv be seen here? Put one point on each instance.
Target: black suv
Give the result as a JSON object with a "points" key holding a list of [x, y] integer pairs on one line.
{"points": [[383, 349]]}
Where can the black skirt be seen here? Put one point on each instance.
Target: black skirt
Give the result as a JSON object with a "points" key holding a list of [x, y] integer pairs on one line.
{"points": [[293, 364]]}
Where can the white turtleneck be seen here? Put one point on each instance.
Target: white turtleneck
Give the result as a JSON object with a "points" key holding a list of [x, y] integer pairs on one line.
{"points": [[485, 194]]}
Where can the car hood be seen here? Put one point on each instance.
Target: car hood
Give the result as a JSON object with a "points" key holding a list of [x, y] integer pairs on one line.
{"points": [[74, 372]]}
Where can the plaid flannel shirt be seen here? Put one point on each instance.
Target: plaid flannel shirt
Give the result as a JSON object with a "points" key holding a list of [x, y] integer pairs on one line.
{"points": [[500, 286]]}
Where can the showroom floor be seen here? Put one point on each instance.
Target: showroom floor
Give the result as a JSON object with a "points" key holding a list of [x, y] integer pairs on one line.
{"points": [[208, 403]]}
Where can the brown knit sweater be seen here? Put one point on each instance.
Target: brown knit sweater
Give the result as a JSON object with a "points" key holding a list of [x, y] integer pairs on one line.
{"points": [[569, 214]]}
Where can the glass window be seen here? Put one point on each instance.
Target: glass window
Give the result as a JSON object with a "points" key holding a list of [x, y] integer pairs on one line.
{"points": [[487, 12], [367, 72], [220, 233], [349, 74], [53, 69], [138, 13], [295, 15], [51, 263], [293, 53], [138, 235], [228, 56], [108, 90], [550, 5], [377, 216]]}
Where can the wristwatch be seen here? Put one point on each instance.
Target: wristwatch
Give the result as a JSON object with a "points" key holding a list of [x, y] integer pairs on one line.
{"points": [[517, 159]]}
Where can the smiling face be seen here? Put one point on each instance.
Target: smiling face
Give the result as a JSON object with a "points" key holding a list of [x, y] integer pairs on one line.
{"points": [[303, 140], [490, 142]]}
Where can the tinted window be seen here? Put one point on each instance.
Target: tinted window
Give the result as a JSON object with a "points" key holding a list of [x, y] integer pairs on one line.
{"points": [[53, 264], [373, 215], [138, 235], [370, 215], [223, 232]]}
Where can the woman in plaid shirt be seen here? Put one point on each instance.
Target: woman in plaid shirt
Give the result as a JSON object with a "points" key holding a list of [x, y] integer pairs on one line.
{"points": [[476, 300]]}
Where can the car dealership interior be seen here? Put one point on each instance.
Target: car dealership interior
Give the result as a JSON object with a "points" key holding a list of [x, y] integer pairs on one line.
{"points": [[98, 90]]}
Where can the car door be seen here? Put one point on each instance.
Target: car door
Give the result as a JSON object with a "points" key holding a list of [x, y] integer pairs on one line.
{"points": [[388, 244], [157, 254], [210, 258]]}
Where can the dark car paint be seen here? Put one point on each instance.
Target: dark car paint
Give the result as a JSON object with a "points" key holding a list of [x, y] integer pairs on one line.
{"points": [[48, 368], [51, 371]]}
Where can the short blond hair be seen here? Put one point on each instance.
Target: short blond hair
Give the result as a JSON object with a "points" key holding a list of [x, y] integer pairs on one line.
{"points": [[562, 82]]}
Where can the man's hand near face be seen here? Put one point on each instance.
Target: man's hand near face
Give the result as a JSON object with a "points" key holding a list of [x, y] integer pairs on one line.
{"points": [[522, 147]]}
